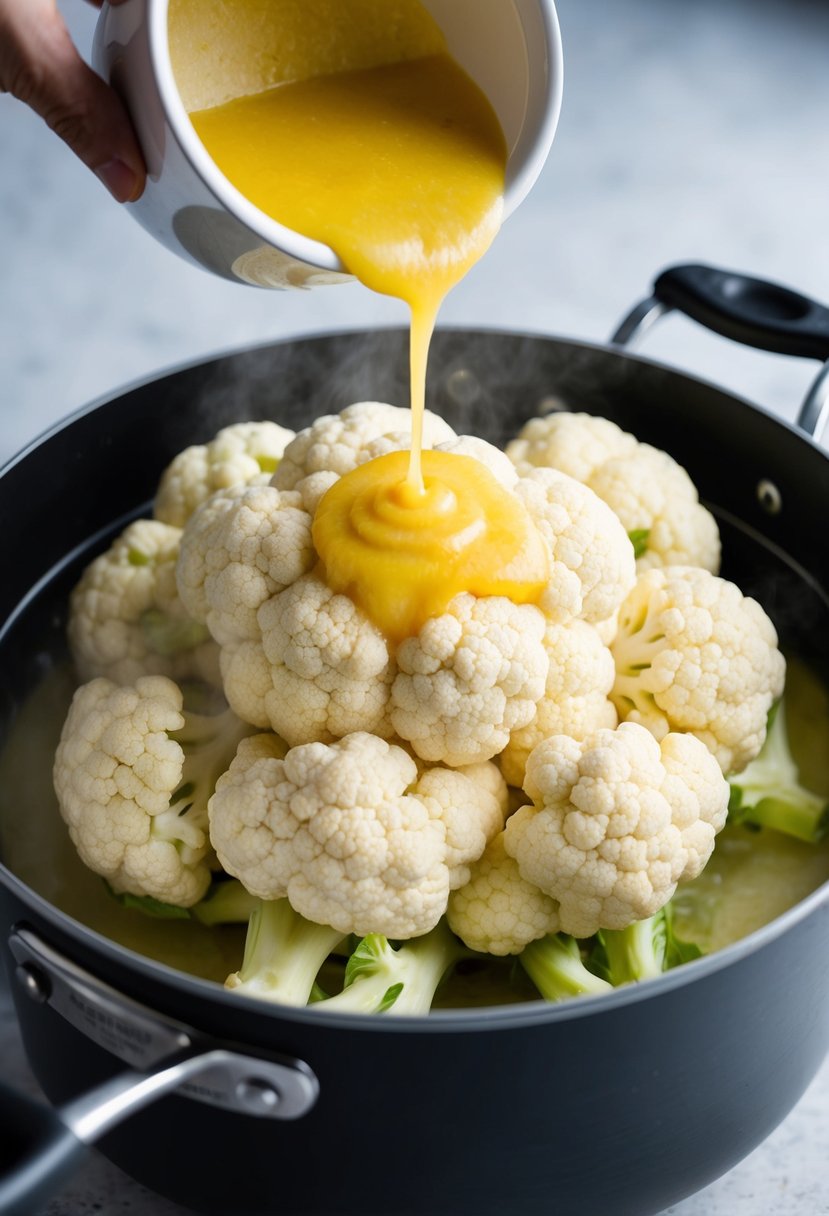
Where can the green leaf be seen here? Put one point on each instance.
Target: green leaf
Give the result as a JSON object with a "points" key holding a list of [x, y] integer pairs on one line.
{"points": [[366, 959], [639, 539], [389, 997], [267, 464], [136, 558]]}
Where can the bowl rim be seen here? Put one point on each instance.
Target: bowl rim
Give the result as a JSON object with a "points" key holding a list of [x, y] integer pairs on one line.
{"points": [[547, 52]]}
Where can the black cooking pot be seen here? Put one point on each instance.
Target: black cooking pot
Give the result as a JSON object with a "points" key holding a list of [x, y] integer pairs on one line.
{"points": [[620, 1104]]}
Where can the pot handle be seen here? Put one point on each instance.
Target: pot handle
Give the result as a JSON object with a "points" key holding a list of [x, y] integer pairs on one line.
{"points": [[754, 312], [42, 1147], [37, 1153]]}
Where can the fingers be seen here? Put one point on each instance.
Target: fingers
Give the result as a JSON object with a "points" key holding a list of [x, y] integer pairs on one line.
{"points": [[40, 66]]}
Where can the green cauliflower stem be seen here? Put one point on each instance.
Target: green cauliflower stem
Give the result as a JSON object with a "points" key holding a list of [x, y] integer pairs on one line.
{"points": [[283, 953], [226, 903], [382, 979], [768, 792], [641, 951], [555, 966]]}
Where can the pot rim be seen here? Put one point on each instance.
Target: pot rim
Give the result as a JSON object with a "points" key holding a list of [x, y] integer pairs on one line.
{"points": [[229, 352], [486, 1018], [440, 1021]]}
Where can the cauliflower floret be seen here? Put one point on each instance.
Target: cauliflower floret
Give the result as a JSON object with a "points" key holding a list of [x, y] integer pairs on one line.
{"points": [[243, 453], [132, 775], [469, 678], [659, 508], [694, 654], [350, 833], [331, 671], [651, 494], [593, 566], [492, 458], [247, 680], [576, 444], [576, 697], [237, 552], [619, 819], [338, 443], [126, 618], [498, 911]]}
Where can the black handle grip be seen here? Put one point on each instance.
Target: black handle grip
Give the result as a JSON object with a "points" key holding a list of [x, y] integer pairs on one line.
{"points": [[37, 1153], [752, 311]]}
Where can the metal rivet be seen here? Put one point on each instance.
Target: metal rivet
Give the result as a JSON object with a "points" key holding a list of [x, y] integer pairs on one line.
{"points": [[769, 497], [463, 386], [257, 1094], [33, 982]]}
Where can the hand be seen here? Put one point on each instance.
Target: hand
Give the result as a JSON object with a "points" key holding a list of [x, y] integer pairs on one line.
{"points": [[41, 67]]}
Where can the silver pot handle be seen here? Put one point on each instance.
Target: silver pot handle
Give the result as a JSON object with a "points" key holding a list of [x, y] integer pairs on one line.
{"points": [[754, 312], [40, 1146]]}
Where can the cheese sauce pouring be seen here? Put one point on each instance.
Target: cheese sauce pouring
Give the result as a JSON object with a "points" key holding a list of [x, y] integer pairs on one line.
{"points": [[376, 143]]}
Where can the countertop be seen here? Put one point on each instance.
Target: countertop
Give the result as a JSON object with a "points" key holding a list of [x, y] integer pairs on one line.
{"points": [[690, 132]]}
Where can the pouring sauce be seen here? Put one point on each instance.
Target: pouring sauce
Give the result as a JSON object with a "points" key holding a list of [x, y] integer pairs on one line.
{"points": [[390, 154]]}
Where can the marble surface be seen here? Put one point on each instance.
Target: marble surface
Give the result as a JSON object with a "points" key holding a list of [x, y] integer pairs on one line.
{"points": [[689, 132]]}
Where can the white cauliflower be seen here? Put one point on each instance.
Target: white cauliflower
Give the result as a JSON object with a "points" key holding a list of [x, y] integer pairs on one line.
{"points": [[492, 458], [331, 670], [350, 833], [133, 774], [576, 444], [338, 443], [618, 820], [126, 618], [498, 911], [576, 696], [469, 678], [242, 453], [239, 550], [659, 508], [652, 495], [592, 567], [247, 680], [694, 654]]}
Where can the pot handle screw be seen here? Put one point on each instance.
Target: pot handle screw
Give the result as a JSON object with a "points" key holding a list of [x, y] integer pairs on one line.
{"points": [[34, 982]]}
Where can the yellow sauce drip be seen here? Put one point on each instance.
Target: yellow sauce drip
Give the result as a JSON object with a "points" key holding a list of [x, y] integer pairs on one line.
{"points": [[367, 136], [464, 532], [398, 168]]}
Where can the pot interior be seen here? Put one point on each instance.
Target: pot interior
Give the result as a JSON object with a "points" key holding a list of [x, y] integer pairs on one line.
{"points": [[72, 493]]}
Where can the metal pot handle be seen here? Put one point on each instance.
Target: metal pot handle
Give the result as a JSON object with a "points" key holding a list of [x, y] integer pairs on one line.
{"points": [[751, 311], [40, 1147]]}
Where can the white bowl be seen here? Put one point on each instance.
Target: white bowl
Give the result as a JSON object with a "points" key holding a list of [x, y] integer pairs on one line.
{"points": [[511, 48]]}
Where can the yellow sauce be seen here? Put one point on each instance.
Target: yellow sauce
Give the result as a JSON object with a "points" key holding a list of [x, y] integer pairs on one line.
{"points": [[464, 532], [368, 137]]}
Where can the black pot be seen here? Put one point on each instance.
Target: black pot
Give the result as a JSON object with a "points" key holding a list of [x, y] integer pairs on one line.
{"points": [[623, 1103]]}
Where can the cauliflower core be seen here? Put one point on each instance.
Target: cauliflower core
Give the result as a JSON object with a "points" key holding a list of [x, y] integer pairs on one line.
{"points": [[618, 820], [350, 833]]}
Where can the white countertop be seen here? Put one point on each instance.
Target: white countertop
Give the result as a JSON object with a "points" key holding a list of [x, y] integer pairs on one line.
{"points": [[694, 132]]}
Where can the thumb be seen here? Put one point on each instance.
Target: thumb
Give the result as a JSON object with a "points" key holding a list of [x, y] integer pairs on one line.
{"points": [[41, 67]]}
